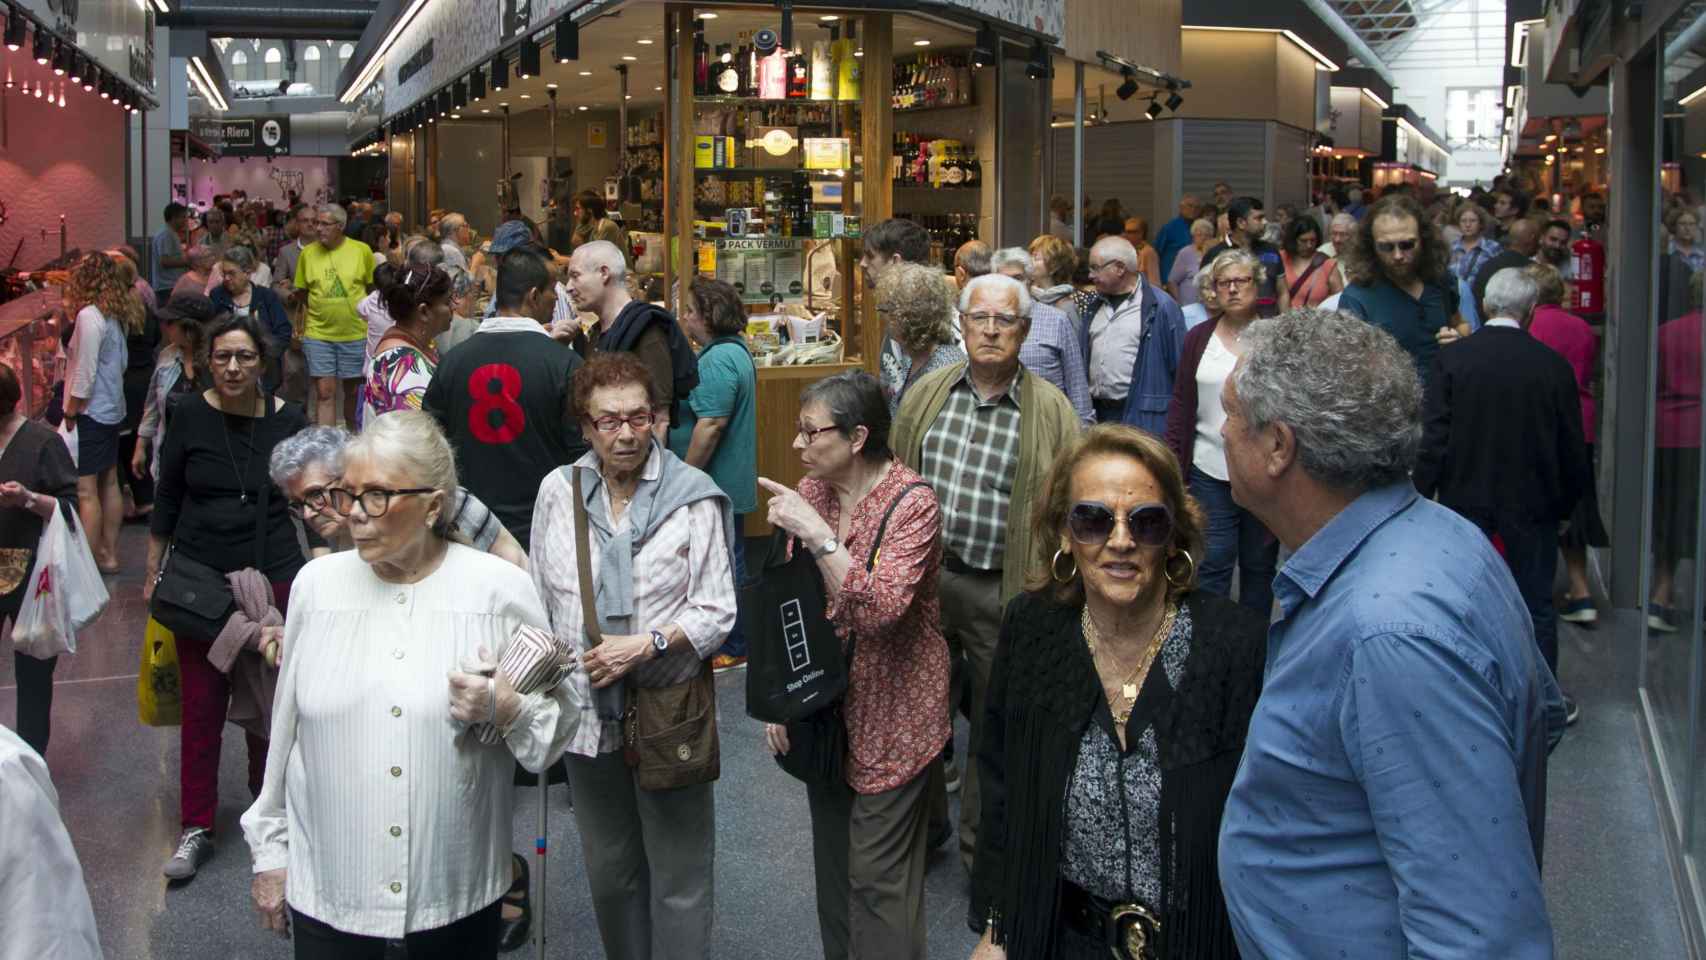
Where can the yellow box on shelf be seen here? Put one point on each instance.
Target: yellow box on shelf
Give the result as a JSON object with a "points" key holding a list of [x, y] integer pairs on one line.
{"points": [[828, 153]]}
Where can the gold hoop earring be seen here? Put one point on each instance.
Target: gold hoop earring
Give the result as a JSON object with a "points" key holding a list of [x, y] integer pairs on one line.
{"points": [[1054, 567], [1190, 574]]}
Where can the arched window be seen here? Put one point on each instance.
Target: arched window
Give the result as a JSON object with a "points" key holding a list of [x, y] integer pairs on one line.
{"points": [[315, 72], [239, 66], [275, 64], [346, 51], [312, 53]]}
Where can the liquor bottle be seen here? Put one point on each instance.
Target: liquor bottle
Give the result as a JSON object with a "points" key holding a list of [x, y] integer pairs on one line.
{"points": [[799, 75], [974, 172], [849, 72], [823, 71], [701, 63], [726, 72], [773, 75]]}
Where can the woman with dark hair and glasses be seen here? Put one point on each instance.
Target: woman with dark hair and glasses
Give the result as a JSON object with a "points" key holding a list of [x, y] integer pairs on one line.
{"points": [[869, 832], [213, 480], [657, 537], [1234, 536], [405, 357], [1117, 710]]}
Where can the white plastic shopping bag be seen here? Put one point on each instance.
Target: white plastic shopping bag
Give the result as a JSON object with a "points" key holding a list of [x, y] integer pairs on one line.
{"points": [[69, 436], [65, 592]]}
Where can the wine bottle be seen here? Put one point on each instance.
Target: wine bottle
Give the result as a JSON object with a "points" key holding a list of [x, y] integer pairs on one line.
{"points": [[701, 63], [799, 75], [727, 72]]}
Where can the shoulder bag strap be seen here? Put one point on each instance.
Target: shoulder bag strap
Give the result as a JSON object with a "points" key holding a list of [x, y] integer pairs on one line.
{"points": [[877, 542], [1303, 278], [583, 563], [266, 488]]}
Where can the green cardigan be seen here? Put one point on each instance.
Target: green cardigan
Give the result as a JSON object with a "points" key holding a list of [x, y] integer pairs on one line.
{"points": [[1047, 423]]}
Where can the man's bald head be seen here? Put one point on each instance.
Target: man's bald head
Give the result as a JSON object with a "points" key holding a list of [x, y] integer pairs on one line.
{"points": [[1524, 236]]}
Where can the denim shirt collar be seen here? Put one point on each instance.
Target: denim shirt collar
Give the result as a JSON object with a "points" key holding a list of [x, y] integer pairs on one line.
{"points": [[1314, 563]]}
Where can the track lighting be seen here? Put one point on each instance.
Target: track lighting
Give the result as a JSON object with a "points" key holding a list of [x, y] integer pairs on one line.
{"points": [[459, 94], [527, 59], [476, 86], [500, 73], [1039, 67], [44, 47], [983, 53], [61, 59], [79, 66], [568, 46], [1153, 111], [1174, 100], [16, 27], [443, 102], [1127, 89]]}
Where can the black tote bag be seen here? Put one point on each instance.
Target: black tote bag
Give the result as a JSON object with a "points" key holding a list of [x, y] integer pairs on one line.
{"points": [[794, 664]]}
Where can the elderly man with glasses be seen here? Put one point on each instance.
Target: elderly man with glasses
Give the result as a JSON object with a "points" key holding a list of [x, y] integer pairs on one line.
{"points": [[1136, 331], [984, 433]]}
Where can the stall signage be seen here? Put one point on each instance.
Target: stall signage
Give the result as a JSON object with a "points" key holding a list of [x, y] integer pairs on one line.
{"points": [[117, 34], [414, 64], [779, 243], [245, 136]]}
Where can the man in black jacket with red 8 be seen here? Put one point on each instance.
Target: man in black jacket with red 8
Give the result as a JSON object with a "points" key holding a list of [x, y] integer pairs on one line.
{"points": [[1502, 445]]}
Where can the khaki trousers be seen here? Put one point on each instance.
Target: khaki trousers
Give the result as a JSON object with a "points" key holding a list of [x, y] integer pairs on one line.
{"points": [[869, 853], [971, 620]]}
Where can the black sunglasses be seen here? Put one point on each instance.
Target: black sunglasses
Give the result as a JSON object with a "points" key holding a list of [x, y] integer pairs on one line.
{"points": [[1406, 245], [1092, 523]]}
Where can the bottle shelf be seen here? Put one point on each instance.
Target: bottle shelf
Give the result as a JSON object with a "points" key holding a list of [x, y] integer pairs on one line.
{"points": [[932, 108]]}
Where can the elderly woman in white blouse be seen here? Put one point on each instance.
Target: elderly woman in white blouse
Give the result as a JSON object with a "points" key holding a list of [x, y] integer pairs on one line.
{"points": [[385, 812]]}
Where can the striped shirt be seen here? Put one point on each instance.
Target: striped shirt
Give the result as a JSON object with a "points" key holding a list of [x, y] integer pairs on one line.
{"points": [[1052, 351], [682, 575], [392, 817], [970, 456]]}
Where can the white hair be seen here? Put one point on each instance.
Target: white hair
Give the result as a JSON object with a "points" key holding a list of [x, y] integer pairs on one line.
{"points": [[334, 211], [603, 253], [1003, 286], [1511, 293], [1006, 257], [306, 447], [412, 441], [1117, 249], [451, 223], [1342, 220]]}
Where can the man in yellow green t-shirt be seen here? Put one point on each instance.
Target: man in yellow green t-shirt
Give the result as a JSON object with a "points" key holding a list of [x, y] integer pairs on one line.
{"points": [[333, 274]]}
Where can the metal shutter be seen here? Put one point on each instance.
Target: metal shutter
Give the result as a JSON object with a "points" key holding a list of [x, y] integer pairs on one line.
{"points": [[1291, 167], [1119, 161], [1229, 150]]}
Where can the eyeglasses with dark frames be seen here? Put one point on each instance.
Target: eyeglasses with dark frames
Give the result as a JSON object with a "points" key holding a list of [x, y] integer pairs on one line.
{"points": [[809, 434], [318, 498], [641, 422], [374, 502], [1388, 246]]}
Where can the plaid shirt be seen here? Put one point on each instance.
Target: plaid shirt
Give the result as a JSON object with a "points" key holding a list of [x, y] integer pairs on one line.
{"points": [[1466, 263], [970, 456]]}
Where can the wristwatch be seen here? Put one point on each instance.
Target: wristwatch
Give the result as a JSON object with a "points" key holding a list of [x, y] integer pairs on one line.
{"points": [[660, 643], [829, 546]]}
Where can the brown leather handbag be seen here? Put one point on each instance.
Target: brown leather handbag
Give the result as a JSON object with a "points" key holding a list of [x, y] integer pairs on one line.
{"points": [[669, 728]]}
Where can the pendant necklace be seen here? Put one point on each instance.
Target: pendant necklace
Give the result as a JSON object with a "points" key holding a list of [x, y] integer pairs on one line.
{"points": [[242, 491], [1129, 686]]}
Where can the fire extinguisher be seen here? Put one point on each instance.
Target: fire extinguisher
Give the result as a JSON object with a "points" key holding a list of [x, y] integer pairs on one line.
{"points": [[1587, 297]]}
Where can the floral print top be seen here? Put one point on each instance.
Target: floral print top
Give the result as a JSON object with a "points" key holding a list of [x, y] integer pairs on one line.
{"points": [[896, 704], [397, 381]]}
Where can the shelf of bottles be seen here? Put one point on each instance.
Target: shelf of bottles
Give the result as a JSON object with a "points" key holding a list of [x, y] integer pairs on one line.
{"points": [[776, 158], [642, 169]]}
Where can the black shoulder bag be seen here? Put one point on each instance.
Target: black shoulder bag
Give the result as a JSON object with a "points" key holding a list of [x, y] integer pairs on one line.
{"points": [[817, 741], [192, 599]]}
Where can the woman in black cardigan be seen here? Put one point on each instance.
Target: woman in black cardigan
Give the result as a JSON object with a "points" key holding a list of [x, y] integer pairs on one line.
{"points": [[1117, 709]]}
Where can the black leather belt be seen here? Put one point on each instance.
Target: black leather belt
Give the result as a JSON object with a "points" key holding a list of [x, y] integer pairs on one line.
{"points": [[1128, 930], [954, 564]]}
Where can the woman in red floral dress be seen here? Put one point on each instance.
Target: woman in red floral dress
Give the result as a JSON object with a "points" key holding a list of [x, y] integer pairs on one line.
{"points": [[869, 834]]}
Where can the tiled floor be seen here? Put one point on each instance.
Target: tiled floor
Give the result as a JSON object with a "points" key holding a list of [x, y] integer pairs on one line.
{"points": [[1606, 880]]}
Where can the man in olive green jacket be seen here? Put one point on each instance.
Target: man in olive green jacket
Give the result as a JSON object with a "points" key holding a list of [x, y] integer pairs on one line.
{"points": [[984, 434]]}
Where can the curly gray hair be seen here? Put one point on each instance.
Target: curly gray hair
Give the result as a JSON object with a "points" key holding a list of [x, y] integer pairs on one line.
{"points": [[1348, 392], [306, 447]]}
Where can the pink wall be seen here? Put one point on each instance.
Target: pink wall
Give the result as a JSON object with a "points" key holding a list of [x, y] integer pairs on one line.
{"points": [[57, 160], [255, 177]]}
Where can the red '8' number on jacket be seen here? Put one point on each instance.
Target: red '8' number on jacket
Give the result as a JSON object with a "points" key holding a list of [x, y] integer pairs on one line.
{"points": [[495, 416]]}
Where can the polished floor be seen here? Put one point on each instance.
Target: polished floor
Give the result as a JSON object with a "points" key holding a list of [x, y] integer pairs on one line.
{"points": [[1607, 883]]}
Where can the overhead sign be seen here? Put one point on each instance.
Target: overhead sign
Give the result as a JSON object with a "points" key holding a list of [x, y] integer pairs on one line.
{"points": [[245, 136], [117, 34], [413, 65]]}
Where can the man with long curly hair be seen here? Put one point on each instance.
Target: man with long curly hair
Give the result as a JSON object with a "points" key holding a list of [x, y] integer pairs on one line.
{"points": [[1399, 280]]}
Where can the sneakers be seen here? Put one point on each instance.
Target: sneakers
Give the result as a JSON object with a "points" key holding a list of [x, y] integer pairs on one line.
{"points": [[1662, 619], [1580, 610], [1572, 712], [722, 663], [951, 774], [195, 847]]}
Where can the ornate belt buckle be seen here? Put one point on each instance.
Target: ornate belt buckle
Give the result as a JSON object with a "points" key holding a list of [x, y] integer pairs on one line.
{"points": [[1134, 932]]}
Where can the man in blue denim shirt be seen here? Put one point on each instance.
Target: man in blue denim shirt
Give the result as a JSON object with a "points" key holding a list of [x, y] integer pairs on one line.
{"points": [[1392, 795]]}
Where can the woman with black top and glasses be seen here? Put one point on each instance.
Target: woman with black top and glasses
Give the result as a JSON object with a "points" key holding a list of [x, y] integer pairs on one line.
{"points": [[1117, 710], [213, 480]]}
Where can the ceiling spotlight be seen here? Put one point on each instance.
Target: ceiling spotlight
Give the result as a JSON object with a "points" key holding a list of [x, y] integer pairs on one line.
{"points": [[527, 60], [91, 76], [500, 73], [629, 57], [707, 16], [1153, 111], [43, 47], [79, 66], [1174, 101], [16, 27], [62, 59], [983, 53], [443, 102], [1039, 66], [106, 89], [585, 108], [1128, 89], [476, 86], [829, 18], [568, 40], [459, 94]]}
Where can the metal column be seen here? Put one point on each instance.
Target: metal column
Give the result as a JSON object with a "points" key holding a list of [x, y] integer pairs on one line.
{"points": [[551, 174], [1077, 153], [621, 134]]}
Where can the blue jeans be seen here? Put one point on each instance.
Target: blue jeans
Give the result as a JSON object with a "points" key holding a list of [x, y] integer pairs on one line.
{"points": [[1233, 535], [735, 644]]}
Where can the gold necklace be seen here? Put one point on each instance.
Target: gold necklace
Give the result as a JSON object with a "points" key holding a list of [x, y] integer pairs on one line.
{"points": [[1129, 687]]}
